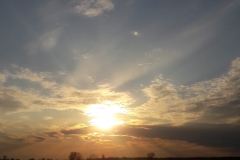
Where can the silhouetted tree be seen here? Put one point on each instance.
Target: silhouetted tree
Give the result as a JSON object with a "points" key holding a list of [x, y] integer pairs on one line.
{"points": [[93, 156], [103, 157], [151, 155], [75, 156], [5, 157]]}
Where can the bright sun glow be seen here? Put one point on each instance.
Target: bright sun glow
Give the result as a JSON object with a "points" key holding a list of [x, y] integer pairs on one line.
{"points": [[102, 115]]}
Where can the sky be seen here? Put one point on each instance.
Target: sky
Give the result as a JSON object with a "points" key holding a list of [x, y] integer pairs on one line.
{"points": [[119, 77]]}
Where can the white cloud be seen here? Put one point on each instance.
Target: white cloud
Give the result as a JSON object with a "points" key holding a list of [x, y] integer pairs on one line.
{"points": [[161, 90], [90, 79], [61, 97], [27, 74], [93, 8], [43, 78], [47, 118], [213, 101], [53, 95]]}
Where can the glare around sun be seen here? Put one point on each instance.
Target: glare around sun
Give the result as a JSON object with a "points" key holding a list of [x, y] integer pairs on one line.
{"points": [[102, 115]]}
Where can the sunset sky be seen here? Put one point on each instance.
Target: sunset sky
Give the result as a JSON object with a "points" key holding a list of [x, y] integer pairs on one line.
{"points": [[119, 78]]}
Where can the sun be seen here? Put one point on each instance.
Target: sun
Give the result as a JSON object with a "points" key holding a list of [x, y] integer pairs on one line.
{"points": [[105, 122], [102, 115]]}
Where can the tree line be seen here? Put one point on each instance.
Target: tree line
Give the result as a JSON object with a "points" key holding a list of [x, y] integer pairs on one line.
{"points": [[79, 156], [6, 158], [150, 156]]}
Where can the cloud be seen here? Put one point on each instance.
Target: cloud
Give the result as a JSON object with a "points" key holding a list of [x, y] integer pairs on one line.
{"points": [[27, 74], [161, 90], [218, 99], [90, 79], [43, 78], [45, 42], [207, 139], [93, 8], [65, 98], [10, 142], [212, 101], [53, 134], [53, 95], [2, 78], [16, 125], [203, 134], [60, 98], [47, 118], [34, 138], [211, 135], [24, 117], [8, 103]]}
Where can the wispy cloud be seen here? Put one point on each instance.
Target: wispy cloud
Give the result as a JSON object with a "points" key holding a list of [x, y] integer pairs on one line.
{"points": [[2, 78], [27, 74], [45, 42], [93, 8], [43, 78], [47, 118]]}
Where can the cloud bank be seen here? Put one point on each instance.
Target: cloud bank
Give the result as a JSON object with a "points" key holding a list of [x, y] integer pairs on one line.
{"points": [[212, 101], [50, 94]]}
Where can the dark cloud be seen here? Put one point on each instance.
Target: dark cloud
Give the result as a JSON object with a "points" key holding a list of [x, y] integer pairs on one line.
{"points": [[75, 131], [11, 142], [7, 146], [36, 138], [10, 137], [228, 112], [210, 135], [8, 104], [53, 134], [84, 130]]}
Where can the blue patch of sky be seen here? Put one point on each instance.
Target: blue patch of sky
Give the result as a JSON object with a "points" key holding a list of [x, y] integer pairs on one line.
{"points": [[108, 37], [211, 59]]}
